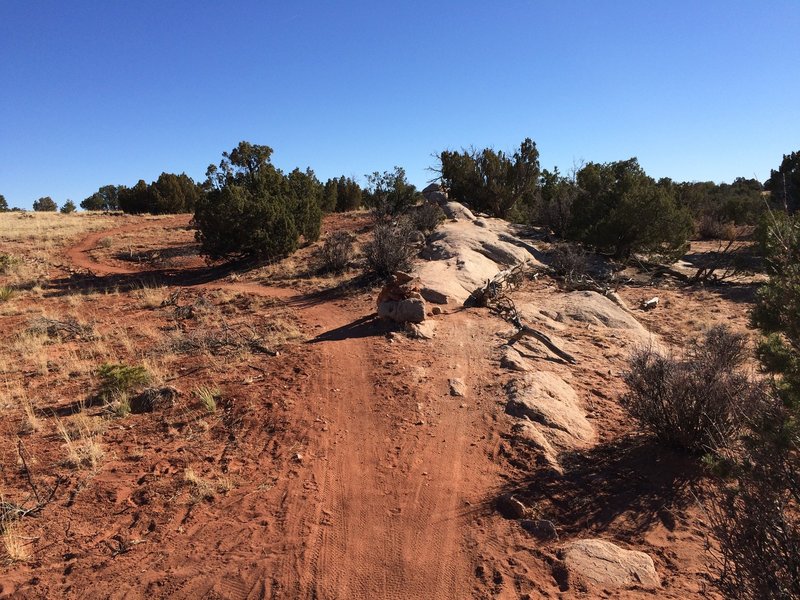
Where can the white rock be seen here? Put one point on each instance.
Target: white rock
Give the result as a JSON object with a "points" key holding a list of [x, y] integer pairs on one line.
{"points": [[601, 563]]}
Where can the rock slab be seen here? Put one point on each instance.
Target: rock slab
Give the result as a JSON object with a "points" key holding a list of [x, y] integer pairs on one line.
{"points": [[597, 562]]}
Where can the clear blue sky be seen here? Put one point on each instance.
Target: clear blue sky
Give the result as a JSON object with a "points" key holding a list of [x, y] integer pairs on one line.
{"points": [[93, 93]]}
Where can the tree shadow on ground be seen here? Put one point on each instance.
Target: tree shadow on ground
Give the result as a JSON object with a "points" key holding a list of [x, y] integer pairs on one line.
{"points": [[157, 256], [629, 484], [88, 283], [369, 326]]}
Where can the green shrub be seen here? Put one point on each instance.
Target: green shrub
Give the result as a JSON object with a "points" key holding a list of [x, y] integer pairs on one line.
{"points": [[6, 293], [253, 210], [490, 181], [622, 210], [390, 194], [119, 379]]}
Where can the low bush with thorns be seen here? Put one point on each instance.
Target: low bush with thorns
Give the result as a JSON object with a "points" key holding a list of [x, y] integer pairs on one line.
{"points": [[570, 261], [391, 248], [337, 252], [427, 217], [694, 403]]}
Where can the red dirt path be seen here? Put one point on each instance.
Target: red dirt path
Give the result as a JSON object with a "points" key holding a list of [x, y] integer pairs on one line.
{"points": [[377, 506]]}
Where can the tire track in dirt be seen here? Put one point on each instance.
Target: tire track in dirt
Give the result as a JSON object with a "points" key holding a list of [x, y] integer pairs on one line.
{"points": [[376, 509]]}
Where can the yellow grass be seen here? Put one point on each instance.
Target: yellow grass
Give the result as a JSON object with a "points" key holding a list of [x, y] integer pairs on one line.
{"points": [[13, 545]]}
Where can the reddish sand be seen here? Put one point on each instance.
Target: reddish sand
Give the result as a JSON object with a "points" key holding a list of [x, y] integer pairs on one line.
{"points": [[355, 473]]}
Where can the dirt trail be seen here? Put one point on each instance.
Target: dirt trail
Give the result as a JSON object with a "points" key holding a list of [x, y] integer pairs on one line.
{"points": [[377, 504]]}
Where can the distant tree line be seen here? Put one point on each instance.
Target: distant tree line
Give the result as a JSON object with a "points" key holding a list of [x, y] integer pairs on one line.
{"points": [[614, 207]]}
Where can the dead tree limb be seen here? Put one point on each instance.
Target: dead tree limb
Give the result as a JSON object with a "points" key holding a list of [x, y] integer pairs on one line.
{"points": [[493, 296], [525, 330]]}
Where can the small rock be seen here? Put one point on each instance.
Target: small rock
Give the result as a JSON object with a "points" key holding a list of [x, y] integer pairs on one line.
{"points": [[457, 387], [511, 508], [436, 310], [541, 529], [152, 399]]}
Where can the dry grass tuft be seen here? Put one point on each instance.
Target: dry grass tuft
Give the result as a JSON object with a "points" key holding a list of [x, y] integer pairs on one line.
{"points": [[82, 448], [206, 489], [208, 397], [13, 544], [151, 297]]}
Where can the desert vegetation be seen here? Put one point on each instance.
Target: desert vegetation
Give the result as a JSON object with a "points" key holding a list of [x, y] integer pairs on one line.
{"points": [[176, 370]]}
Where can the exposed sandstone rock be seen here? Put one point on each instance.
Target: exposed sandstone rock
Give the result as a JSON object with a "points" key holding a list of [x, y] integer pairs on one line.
{"points": [[400, 300], [465, 252], [599, 563], [512, 360], [403, 311], [545, 398]]}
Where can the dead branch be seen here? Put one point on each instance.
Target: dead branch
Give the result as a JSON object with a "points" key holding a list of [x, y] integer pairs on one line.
{"points": [[493, 296], [525, 330]]}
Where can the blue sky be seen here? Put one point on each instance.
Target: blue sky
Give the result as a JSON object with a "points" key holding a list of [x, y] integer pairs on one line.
{"points": [[93, 93]]}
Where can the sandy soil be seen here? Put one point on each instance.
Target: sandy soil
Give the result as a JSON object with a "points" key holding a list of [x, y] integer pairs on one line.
{"points": [[340, 468]]}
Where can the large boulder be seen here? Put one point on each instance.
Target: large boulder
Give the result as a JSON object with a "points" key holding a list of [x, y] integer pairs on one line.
{"points": [[435, 193], [598, 563], [465, 252]]}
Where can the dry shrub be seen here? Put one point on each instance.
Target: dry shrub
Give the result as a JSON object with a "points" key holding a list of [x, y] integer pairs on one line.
{"points": [[755, 514], [427, 217], [569, 261], [693, 403], [713, 228], [7, 263], [391, 248], [337, 251]]}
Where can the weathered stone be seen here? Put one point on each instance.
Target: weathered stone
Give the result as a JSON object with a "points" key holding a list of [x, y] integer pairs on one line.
{"points": [[599, 563], [512, 360], [152, 399], [545, 398], [541, 529], [403, 311], [511, 508], [457, 387], [435, 296]]}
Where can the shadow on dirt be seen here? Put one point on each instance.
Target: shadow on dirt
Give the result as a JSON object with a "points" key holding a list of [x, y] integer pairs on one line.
{"points": [[158, 256], [369, 326], [627, 485], [89, 283]]}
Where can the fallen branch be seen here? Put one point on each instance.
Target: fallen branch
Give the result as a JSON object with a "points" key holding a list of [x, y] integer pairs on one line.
{"points": [[493, 296], [525, 330]]}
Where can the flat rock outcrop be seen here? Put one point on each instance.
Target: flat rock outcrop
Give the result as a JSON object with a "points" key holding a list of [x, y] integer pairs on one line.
{"points": [[465, 252], [592, 308], [552, 405], [598, 563]]}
